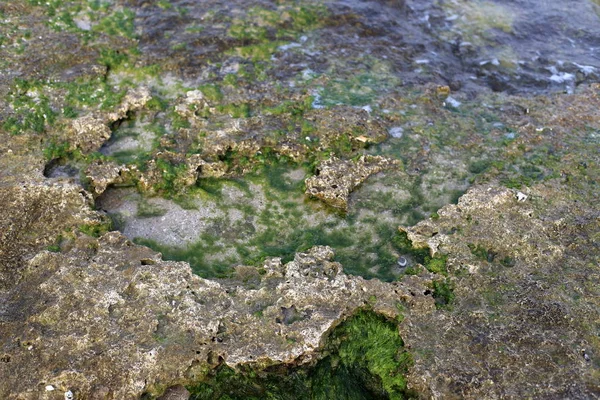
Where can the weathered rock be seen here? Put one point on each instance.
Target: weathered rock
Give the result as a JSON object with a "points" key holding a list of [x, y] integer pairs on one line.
{"points": [[517, 328], [178, 392], [88, 299], [102, 174], [33, 215], [108, 319], [335, 179], [89, 132]]}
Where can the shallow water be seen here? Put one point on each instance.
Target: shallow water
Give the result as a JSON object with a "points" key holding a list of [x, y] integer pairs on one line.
{"points": [[237, 222], [389, 58]]}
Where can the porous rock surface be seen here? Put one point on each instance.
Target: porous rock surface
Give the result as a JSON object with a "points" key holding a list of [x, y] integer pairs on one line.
{"points": [[133, 323], [90, 131], [108, 319], [335, 179], [518, 328]]}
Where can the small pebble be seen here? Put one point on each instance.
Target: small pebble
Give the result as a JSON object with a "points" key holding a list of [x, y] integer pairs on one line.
{"points": [[521, 196], [396, 132]]}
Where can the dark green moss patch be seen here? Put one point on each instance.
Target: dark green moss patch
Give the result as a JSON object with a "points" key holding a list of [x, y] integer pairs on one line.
{"points": [[481, 252], [435, 264], [147, 209], [96, 230], [170, 172], [365, 359], [443, 293], [196, 255]]}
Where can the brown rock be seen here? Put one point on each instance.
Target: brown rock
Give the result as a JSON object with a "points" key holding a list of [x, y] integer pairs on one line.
{"points": [[335, 179]]}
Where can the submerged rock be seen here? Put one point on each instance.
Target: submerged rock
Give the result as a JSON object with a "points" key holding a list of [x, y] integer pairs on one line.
{"points": [[335, 179]]}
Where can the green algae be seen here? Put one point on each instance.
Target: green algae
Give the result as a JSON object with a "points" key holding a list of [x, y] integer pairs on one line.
{"points": [[34, 109], [96, 229], [285, 225], [196, 255], [364, 359], [146, 210], [358, 90], [443, 293]]}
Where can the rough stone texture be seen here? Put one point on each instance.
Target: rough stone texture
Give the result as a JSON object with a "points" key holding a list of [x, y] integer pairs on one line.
{"points": [[335, 179], [34, 213], [89, 132], [105, 318], [177, 392], [101, 175], [134, 323], [520, 327]]}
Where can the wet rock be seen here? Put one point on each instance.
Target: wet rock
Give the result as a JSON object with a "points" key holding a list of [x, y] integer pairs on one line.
{"points": [[178, 392], [335, 179], [358, 126], [198, 168]]}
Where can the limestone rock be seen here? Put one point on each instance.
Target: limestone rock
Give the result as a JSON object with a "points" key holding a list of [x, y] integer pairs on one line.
{"points": [[33, 215], [101, 174], [335, 179], [178, 392], [90, 298], [90, 131], [516, 329]]}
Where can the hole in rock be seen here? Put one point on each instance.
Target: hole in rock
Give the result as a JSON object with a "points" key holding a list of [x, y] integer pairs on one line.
{"points": [[59, 168]]}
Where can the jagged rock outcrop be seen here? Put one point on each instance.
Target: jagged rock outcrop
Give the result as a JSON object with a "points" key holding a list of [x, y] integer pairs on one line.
{"points": [[518, 327], [89, 132], [135, 324], [335, 179]]}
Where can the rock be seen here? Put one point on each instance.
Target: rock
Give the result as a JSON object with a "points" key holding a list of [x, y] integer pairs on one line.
{"points": [[335, 179], [178, 392], [518, 264], [89, 132], [33, 215], [101, 175], [88, 299]]}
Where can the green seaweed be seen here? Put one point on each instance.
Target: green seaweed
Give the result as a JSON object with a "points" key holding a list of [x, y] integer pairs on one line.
{"points": [[365, 359], [194, 254], [148, 210], [170, 172], [479, 251], [443, 293], [96, 229]]}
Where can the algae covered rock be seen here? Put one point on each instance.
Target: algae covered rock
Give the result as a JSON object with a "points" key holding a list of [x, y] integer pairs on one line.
{"points": [[90, 131], [89, 299], [335, 179], [517, 326], [496, 295]]}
